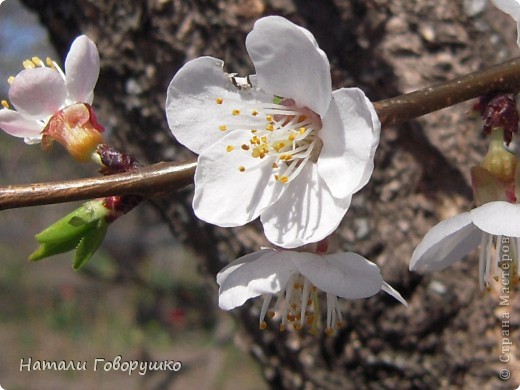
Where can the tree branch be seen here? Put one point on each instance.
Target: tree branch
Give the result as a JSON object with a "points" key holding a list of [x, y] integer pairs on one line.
{"points": [[163, 177]]}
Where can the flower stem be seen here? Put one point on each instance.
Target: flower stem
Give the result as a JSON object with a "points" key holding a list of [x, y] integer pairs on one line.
{"points": [[164, 177]]}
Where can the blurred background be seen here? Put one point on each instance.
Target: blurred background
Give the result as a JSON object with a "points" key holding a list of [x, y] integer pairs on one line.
{"points": [[140, 296]]}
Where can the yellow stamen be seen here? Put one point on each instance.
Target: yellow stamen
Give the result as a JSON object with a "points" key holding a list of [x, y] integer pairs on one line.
{"points": [[254, 131], [222, 128], [5, 104], [219, 100], [241, 168], [37, 61], [291, 137], [254, 113], [269, 127], [49, 62], [302, 130], [269, 118], [235, 112], [27, 64], [245, 147], [283, 179], [263, 325], [229, 148], [275, 165], [10, 80]]}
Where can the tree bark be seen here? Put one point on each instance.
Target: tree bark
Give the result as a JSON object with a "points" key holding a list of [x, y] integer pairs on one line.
{"points": [[450, 335]]}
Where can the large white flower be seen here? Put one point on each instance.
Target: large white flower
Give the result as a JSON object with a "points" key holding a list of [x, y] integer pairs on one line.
{"points": [[279, 145], [42, 89], [512, 8], [495, 226], [295, 277]]}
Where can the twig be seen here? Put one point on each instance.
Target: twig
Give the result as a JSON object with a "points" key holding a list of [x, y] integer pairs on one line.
{"points": [[163, 177], [154, 180]]}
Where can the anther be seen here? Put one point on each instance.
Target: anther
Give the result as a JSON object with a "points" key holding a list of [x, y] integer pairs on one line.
{"points": [[245, 147], [10, 80], [241, 168], [254, 112], [219, 100], [263, 325], [28, 64], [235, 112], [229, 148], [5, 104], [37, 61], [222, 128]]}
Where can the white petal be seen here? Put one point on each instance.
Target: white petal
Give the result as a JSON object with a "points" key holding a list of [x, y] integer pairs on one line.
{"points": [[38, 92], [498, 218], [289, 63], [350, 136], [445, 243], [393, 292], [15, 124], [347, 275], [192, 111], [265, 272], [305, 213], [510, 7], [249, 258], [224, 195], [82, 70]]}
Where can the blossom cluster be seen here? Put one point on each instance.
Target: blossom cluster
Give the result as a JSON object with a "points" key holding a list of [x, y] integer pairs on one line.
{"points": [[283, 147]]}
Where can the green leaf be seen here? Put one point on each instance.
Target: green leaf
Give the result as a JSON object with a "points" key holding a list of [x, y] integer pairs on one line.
{"points": [[74, 225], [89, 244], [46, 250]]}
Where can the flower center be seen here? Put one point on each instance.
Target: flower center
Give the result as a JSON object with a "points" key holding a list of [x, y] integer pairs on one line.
{"points": [[499, 260], [298, 305], [286, 137]]}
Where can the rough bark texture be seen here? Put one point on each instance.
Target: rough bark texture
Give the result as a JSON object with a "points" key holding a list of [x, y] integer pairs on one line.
{"points": [[450, 335]]}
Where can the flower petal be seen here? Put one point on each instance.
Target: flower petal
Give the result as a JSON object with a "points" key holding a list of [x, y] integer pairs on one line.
{"points": [[263, 272], [393, 292], [224, 195], [306, 212], [38, 92], [350, 136], [82, 70], [193, 114], [347, 275], [445, 243], [498, 218], [289, 63], [15, 124]]}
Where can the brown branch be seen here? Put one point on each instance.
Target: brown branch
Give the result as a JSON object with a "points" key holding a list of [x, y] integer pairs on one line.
{"points": [[154, 180], [504, 77], [164, 177]]}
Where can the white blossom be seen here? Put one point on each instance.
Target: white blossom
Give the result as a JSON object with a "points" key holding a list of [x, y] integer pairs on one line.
{"points": [[279, 145]]}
